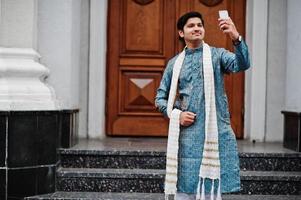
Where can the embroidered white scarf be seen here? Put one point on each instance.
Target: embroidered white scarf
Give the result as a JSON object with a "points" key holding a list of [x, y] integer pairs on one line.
{"points": [[210, 165]]}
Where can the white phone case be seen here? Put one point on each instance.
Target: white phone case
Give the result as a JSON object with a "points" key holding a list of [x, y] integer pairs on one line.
{"points": [[223, 14]]}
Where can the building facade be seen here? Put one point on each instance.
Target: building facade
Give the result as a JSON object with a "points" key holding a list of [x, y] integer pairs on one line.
{"points": [[71, 38], [53, 62]]}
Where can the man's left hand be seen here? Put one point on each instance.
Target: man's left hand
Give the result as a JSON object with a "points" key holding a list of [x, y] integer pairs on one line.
{"points": [[228, 27]]}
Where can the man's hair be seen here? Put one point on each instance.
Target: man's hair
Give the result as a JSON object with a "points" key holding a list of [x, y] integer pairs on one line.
{"points": [[184, 18]]}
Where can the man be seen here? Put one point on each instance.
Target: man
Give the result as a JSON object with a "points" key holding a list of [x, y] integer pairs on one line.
{"points": [[202, 157]]}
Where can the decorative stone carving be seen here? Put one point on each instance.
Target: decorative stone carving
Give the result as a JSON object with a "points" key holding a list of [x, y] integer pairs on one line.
{"points": [[22, 81], [211, 3], [143, 2]]}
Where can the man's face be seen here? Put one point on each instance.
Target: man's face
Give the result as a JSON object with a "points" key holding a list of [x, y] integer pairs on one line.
{"points": [[193, 31]]}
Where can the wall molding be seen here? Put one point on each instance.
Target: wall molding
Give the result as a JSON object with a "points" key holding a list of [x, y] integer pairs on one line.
{"points": [[97, 69], [256, 37]]}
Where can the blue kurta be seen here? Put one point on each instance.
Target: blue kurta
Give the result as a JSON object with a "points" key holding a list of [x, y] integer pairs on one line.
{"points": [[191, 98]]}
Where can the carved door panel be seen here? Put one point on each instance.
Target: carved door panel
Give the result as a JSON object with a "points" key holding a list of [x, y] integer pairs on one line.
{"points": [[142, 36], [141, 39]]}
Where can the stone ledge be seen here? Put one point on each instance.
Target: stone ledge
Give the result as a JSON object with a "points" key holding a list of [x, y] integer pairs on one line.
{"points": [[145, 196]]}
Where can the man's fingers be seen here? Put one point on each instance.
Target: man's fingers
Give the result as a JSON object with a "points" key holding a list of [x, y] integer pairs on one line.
{"points": [[225, 21], [189, 120], [187, 123], [191, 114], [221, 23], [191, 117], [226, 25]]}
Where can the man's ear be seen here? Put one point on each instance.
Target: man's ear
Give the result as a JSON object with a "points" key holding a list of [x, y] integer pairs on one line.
{"points": [[181, 33]]}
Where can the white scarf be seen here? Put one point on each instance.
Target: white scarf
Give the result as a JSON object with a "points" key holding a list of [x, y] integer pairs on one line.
{"points": [[210, 166]]}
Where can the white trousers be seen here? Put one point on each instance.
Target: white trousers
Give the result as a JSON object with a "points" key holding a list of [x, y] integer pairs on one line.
{"points": [[183, 196]]}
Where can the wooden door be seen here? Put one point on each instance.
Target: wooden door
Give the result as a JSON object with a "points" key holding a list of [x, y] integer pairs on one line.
{"points": [[140, 40], [142, 36]]}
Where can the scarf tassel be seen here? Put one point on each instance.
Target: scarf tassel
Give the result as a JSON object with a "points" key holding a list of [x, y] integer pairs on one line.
{"points": [[212, 190], [171, 196], [198, 193], [203, 190], [219, 194], [201, 193]]}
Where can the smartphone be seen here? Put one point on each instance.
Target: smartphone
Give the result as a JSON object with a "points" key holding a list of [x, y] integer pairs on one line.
{"points": [[223, 14]]}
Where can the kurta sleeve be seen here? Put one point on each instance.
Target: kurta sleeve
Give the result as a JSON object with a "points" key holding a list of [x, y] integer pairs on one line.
{"points": [[235, 62], [163, 90]]}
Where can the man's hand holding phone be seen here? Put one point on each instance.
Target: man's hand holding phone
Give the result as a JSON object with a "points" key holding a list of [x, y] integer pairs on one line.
{"points": [[227, 25]]}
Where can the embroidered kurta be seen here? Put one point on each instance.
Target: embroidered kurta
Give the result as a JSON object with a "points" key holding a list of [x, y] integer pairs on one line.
{"points": [[191, 98]]}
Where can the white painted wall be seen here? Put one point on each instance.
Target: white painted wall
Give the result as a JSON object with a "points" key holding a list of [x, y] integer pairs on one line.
{"points": [[0, 11], [62, 43], [276, 69], [293, 64]]}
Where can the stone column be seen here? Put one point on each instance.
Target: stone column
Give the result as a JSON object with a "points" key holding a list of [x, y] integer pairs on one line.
{"points": [[22, 77], [29, 115]]}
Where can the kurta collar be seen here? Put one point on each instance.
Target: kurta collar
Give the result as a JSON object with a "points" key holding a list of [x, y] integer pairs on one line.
{"points": [[191, 51]]}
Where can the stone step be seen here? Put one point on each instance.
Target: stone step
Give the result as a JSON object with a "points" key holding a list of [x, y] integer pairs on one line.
{"points": [[270, 182], [152, 181], [112, 159], [110, 180], [144, 196], [97, 196], [270, 161], [140, 159]]}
